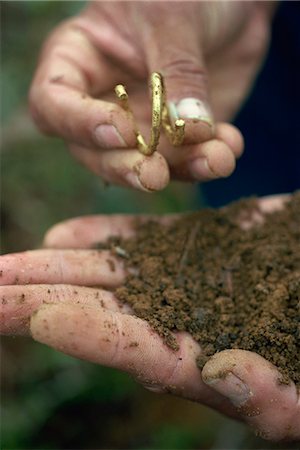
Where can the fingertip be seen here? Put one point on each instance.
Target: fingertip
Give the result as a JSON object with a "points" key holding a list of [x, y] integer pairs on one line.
{"points": [[253, 386], [153, 172], [244, 364], [220, 158], [231, 136], [205, 162], [272, 203], [56, 236], [197, 131], [44, 324]]}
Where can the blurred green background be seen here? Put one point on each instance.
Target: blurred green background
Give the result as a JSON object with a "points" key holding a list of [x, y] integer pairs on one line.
{"points": [[49, 400]]}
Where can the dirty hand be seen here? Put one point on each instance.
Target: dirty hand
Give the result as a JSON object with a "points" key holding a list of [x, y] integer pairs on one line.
{"points": [[60, 296], [208, 53]]}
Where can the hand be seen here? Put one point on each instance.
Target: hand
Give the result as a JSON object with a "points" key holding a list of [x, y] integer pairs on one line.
{"points": [[52, 295], [208, 53]]}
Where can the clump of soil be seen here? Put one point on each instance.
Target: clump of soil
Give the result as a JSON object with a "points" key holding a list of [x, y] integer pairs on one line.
{"points": [[228, 287]]}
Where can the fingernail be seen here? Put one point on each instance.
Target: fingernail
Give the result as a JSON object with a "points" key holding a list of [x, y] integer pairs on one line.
{"points": [[134, 181], [200, 169], [108, 136], [231, 387], [190, 108]]}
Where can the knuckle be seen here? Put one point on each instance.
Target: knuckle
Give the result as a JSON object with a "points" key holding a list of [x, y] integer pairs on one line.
{"points": [[186, 70], [186, 75]]}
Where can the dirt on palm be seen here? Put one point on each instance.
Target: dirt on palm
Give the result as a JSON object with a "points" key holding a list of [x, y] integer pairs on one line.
{"points": [[228, 287]]}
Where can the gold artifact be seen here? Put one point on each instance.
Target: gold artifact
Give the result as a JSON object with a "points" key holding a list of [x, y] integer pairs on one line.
{"points": [[160, 117]]}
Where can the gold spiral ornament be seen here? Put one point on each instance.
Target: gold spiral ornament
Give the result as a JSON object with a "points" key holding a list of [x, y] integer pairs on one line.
{"points": [[159, 117]]}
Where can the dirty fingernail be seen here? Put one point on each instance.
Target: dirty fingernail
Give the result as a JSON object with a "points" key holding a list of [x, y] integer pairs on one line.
{"points": [[231, 387], [134, 181], [152, 172], [107, 136], [199, 169], [190, 108]]}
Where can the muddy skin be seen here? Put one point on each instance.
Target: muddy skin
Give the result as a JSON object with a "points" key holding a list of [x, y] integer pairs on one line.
{"points": [[229, 288]]}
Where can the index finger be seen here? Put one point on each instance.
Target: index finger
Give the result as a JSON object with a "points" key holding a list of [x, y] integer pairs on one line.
{"points": [[126, 343], [71, 71], [86, 232]]}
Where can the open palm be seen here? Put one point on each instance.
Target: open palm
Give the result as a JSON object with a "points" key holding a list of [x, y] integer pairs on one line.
{"points": [[63, 297]]}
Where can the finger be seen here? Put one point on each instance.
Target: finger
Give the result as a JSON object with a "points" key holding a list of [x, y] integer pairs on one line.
{"points": [[206, 161], [231, 136], [80, 267], [126, 343], [265, 205], [70, 72], [272, 203], [203, 162], [176, 52], [126, 167], [253, 386], [18, 303], [85, 232]]}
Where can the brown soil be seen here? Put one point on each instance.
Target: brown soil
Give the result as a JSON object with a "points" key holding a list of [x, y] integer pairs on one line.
{"points": [[228, 287]]}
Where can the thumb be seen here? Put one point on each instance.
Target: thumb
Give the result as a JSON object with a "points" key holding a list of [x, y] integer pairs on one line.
{"points": [[172, 45], [262, 397]]}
